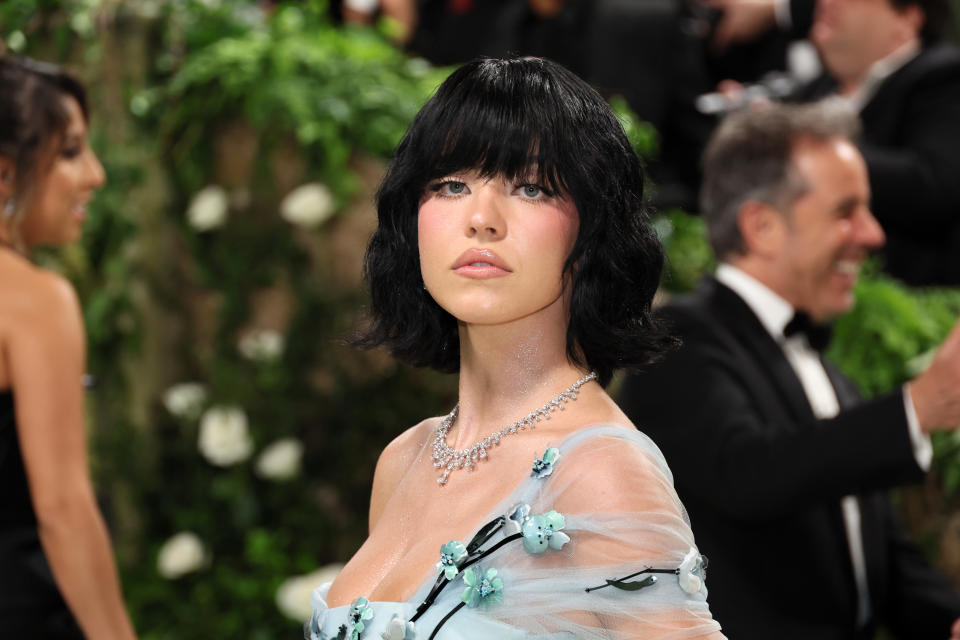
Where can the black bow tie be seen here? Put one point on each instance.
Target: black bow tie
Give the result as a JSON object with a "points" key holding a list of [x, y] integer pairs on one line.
{"points": [[818, 335]]}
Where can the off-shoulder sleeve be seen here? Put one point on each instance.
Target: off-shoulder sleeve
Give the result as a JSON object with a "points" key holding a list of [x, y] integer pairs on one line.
{"points": [[617, 514]]}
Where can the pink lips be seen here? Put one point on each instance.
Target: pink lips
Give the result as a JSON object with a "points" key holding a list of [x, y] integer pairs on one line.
{"points": [[480, 263]]}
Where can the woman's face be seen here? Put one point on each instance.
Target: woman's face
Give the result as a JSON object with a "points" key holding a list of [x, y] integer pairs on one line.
{"points": [[492, 251], [58, 203]]}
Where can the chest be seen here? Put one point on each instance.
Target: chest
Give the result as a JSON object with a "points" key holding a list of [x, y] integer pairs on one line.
{"points": [[403, 548]]}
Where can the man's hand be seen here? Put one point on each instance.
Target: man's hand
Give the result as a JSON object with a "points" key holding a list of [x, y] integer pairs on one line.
{"points": [[936, 393], [955, 630], [742, 20], [546, 9]]}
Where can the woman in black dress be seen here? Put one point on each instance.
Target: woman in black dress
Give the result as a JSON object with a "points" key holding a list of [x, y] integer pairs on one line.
{"points": [[57, 574]]}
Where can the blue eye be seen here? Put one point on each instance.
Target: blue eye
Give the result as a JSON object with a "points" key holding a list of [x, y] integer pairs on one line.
{"points": [[534, 191], [454, 188], [449, 188]]}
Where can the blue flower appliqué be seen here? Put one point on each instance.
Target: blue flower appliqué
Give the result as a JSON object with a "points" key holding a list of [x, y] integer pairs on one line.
{"points": [[483, 589], [543, 467], [543, 531], [451, 554], [360, 612]]}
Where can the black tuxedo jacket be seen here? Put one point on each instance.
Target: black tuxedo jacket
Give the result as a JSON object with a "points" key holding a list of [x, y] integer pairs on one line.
{"points": [[762, 480], [911, 142]]}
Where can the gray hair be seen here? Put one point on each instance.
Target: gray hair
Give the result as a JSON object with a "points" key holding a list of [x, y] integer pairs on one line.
{"points": [[750, 157]]}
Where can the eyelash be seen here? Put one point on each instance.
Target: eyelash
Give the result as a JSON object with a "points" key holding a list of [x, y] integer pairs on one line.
{"points": [[71, 152], [436, 188]]}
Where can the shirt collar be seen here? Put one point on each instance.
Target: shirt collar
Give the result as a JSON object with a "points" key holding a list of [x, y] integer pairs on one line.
{"points": [[773, 311], [881, 70]]}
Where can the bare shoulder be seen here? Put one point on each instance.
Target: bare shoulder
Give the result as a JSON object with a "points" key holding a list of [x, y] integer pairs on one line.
{"points": [[29, 291], [395, 460], [595, 406], [36, 302], [410, 441]]}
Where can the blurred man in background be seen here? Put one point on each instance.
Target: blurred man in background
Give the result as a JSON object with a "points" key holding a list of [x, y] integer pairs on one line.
{"points": [[781, 466]]}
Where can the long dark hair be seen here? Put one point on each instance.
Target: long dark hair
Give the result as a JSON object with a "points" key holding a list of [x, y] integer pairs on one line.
{"points": [[32, 116]]}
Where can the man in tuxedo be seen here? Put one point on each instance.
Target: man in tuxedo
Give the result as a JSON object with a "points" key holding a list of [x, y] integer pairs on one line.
{"points": [[780, 465]]}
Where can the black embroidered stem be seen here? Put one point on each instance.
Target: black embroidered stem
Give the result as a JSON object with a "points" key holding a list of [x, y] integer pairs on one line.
{"points": [[428, 601], [484, 534], [445, 618], [486, 531], [483, 555], [442, 580], [633, 575]]}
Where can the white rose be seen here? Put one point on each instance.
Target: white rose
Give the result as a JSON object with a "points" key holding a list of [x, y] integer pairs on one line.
{"points": [[181, 554], [208, 208], [293, 595], [185, 400], [309, 205], [262, 345], [224, 438], [280, 460]]}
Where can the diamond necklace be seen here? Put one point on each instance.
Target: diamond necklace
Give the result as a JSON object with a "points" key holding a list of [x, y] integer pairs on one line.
{"points": [[449, 458]]}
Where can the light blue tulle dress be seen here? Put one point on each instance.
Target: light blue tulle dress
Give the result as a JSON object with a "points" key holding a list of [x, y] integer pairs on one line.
{"points": [[593, 544]]}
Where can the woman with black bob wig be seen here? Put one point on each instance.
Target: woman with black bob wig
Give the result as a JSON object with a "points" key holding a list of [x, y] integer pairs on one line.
{"points": [[513, 248]]}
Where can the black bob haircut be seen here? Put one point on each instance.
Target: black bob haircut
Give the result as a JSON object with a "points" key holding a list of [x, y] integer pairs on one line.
{"points": [[508, 118]]}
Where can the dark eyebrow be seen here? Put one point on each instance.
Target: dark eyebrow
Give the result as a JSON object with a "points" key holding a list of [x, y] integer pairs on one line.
{"points": [[847, 204]]}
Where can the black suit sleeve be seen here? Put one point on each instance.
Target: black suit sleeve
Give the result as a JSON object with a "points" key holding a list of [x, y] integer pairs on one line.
{"points": [[729, 445]]}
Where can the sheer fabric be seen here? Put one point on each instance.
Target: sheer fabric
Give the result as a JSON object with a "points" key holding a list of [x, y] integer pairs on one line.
{"points": [[622, 515]]}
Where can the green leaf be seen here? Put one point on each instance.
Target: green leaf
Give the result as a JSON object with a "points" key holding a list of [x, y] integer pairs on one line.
{"points": [[636, 585]]}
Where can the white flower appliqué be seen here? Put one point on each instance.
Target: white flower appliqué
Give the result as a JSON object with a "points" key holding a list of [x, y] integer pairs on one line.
{"points": [[692, 571], [398, 629]]}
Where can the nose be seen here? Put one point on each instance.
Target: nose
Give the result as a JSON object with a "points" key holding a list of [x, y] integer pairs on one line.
{"points": [[868, 231], [485, 219], [96, 176]]}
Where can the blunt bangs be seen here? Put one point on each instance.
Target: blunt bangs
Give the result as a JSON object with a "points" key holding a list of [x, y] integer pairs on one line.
{"points": [[504, 118]]}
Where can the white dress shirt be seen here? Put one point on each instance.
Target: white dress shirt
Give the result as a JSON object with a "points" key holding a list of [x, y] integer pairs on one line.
{"points": [[880, 71], [774, 313]]}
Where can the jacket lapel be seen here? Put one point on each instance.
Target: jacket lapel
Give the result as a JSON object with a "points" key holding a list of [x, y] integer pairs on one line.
{"points": [[753, 336], [847, 394]]}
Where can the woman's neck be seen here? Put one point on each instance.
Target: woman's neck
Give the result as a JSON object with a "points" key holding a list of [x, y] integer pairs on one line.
{"points": [[506, 372], [6, 241]]}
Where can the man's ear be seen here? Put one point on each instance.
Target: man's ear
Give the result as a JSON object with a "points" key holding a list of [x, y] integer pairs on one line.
{"points": [[8, 177], [914, 16], [762, 228]]}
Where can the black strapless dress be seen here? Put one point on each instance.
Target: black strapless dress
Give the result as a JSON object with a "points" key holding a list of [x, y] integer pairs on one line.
{"points": [[31, 607]]}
